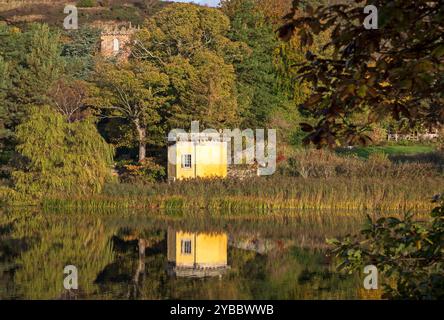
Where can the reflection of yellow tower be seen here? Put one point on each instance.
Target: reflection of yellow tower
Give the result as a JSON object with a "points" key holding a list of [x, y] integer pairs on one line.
{"points": [[197, 254]]}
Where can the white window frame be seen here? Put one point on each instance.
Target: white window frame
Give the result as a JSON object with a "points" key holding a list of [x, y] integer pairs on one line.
{"points": [[187, 161], [186, 247]]}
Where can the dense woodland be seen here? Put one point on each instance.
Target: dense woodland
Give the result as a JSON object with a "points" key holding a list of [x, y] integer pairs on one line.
{"points": [[222, 66], [69, 116]]}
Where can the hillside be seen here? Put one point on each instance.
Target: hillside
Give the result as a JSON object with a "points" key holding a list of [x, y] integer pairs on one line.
{"points": [[17, 12]]}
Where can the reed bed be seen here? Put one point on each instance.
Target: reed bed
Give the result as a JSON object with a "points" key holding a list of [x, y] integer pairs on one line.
{"points": [[265, 195]]}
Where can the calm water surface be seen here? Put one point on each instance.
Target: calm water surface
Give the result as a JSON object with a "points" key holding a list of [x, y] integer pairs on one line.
{"points": [[146, 255]]}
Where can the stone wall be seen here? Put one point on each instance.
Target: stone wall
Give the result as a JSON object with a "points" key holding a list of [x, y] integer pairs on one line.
{"points": [[242, 172], [122, 35], [413, 137]]}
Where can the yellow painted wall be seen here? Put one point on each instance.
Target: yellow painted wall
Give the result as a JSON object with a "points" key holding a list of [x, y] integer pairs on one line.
{"points": [[217, 167], [206, 249], [208, 159], [211, 249]]}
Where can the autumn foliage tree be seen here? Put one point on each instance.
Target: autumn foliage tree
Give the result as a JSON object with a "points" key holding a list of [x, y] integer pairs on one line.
{"points": [[273, 10], [190, 44], [68, 96], [394, 70], [135, 91]]}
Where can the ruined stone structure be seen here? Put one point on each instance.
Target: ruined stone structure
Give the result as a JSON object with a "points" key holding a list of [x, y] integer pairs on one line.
{"points": [[115, 40]]}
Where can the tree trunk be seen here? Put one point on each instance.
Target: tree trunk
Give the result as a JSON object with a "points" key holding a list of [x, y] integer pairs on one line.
{"points": [[142, 144]]}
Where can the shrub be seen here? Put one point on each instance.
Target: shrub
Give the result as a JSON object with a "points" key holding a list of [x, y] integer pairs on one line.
{"points": [[124, 13], [409, 253], [325, 164], [145, 172], [86, 3]]}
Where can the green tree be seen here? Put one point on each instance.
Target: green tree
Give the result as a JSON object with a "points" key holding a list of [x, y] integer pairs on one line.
{"points": [[395, 70], [257, 77], [34, 62], [190, 44], [204, 90], [39, 65], [79, 52], [29, 64], [136, 91], [59, 157]]}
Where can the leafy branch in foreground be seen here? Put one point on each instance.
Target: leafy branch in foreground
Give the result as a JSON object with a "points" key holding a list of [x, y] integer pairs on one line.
{"points": [[393, 71], [407, 251]]}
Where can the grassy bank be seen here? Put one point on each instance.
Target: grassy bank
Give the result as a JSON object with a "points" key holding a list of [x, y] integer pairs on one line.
{"points": [[311, 179], [265, 194], [390, 150]]}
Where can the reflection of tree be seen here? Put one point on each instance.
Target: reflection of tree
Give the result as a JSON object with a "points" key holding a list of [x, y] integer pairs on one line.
{"points": [[289, 274], [313, 276], [78, 240], [138, 270], [299, 274], [283, 274], [139, 275], [42, 244]]}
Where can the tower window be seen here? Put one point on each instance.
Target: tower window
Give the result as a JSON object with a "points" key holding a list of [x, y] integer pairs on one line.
{"points": [[186, 161], [116, 45]]}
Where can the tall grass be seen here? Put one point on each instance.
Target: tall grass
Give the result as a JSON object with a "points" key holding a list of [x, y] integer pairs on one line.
{"points": [[325, 164], [313, 179], [265, 194]]}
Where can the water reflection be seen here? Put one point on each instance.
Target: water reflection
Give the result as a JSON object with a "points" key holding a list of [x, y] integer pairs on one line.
{"points": [[157, 258], [197, 254]]}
